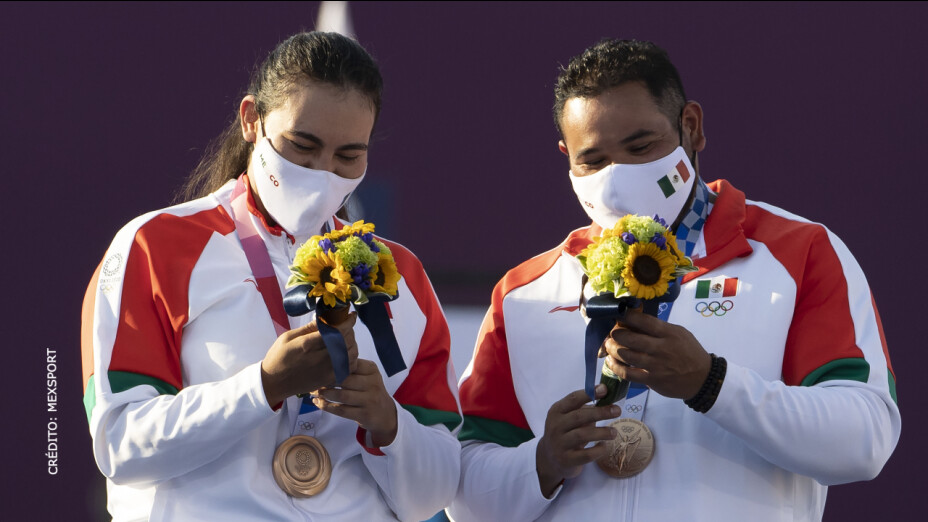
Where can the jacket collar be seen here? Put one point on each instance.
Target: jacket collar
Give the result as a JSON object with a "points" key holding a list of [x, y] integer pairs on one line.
{"points": [[724, 230], [276, 230]]}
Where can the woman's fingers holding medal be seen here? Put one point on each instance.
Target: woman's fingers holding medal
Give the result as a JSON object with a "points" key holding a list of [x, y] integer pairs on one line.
{"points": [[569, 427], [664, 356], [362, 398]]}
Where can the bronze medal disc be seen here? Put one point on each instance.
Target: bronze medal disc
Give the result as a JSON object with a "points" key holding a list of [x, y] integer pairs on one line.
{"points": [[632, 449], [302, 467]]}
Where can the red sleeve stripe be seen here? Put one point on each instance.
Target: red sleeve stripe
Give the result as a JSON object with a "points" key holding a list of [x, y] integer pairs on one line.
{"points": [[427, 384], [879, 325], [823, 328], [154, 305]]}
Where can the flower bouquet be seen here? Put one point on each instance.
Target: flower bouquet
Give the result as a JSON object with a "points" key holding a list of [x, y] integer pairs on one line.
{"points": [[342, 267], [636, 263]]}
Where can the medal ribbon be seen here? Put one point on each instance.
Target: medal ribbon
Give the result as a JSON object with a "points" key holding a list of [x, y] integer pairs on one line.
{"points": [[637, 398], [260, 263], [258, 258]]}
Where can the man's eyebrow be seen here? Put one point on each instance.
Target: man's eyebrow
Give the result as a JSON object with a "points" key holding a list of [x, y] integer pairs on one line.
{"points": [[584, 152], [318, 141], [638, 134]]}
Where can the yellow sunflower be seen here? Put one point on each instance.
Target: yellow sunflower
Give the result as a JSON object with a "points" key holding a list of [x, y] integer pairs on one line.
{"points": [[385, 276], [349, 230], [362, 227], [313, 265], [679, 257], [329, 278], [647, 271]]}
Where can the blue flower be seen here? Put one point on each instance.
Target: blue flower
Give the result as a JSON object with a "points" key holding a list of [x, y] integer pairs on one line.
{"points": [[326, 245], [360, 276], [629, 238], [659, 240], [368, 238], [660, 220]]}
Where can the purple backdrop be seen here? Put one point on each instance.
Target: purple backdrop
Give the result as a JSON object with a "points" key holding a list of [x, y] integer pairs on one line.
{"points": [[818, 108]]}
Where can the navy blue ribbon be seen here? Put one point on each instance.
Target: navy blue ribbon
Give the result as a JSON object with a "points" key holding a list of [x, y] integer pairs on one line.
{"points": [[338, 352], [297, 301], [374, 316], [603, 310]]}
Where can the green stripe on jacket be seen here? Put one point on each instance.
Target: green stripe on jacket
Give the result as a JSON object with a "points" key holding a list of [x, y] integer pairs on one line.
{"points": [[489, 430], [122, 381]]}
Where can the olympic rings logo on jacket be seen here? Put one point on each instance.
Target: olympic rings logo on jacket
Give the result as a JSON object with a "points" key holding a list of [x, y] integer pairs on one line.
{"points": [[714, 308]]}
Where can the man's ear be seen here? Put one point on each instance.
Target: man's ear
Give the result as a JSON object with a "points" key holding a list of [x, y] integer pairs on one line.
{"points": [[561, 146], [692, 125], [248, 116]]}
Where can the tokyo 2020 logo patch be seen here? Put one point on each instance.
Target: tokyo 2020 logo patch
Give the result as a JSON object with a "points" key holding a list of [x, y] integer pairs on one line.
{"points": [[110, 273], [112, 265]]}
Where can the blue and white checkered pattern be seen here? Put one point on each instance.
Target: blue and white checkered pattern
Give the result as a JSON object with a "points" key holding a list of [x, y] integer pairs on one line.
{"points": [[689, 229]]}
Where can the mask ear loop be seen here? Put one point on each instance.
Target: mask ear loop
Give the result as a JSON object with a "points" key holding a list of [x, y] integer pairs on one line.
{"points": [[260, 118], [680, 127], [693, 159]]}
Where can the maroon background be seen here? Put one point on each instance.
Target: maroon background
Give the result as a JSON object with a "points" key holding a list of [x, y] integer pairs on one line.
{"points": [[818, 108]]}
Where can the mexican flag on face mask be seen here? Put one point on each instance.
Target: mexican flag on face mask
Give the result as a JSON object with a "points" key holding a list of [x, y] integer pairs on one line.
{"points": [[674, 179], [717, 287]]}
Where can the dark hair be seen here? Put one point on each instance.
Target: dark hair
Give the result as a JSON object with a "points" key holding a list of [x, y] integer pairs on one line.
{"points": [[328, 58], [611, 63]]}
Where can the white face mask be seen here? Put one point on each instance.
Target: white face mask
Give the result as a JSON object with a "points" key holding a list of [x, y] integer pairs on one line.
{"points": [[660, 187], [298, 198]]}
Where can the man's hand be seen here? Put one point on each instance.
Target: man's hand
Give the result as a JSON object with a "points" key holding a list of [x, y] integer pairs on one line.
{"points": [[298, 361], [362, 398], [569, 427], [663, 356]]}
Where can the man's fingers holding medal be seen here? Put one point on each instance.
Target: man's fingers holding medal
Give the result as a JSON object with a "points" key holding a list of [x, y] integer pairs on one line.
{"points": [[569, 426]]}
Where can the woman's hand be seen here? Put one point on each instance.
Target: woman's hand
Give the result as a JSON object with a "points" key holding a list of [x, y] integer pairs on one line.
{"points": [[298, 361], [362, 398]]}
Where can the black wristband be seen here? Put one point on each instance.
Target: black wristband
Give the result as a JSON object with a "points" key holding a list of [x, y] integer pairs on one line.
{"points": [[705, 398]]}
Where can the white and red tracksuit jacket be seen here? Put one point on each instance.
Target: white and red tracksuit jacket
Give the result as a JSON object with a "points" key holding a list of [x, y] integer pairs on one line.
{"points": [[174, 331], [808, 400]]}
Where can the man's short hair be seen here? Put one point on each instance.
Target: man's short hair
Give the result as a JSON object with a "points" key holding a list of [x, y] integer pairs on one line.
{"points": [[611, 63]]}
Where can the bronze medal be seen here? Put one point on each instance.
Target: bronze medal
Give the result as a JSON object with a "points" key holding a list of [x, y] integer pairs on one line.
{"points": [[302, 467], [632, 449]]}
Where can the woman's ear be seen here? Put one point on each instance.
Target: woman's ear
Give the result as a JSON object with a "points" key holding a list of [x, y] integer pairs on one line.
{"points": [[248, 116]]}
